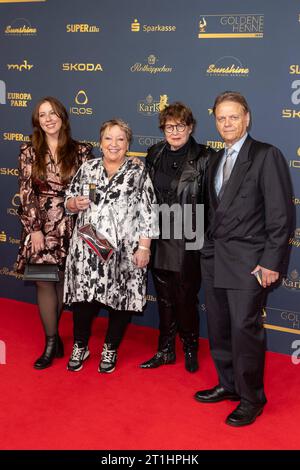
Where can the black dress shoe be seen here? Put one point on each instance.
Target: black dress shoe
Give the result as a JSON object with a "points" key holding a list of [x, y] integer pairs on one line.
{"points": [[216, 394], [244, 414], [191, 361], [159, 359]]}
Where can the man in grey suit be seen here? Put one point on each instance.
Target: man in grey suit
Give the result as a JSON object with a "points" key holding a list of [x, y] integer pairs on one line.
{"points": [[246, 243]]}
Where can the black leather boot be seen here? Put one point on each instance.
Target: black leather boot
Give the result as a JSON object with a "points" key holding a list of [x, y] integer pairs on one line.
{"points": [[166, 349], [159, 359], [190, 348], [59, 347], [53, 348]]}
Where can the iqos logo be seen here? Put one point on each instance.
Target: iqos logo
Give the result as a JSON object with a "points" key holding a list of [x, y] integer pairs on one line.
{"points": [[81, 99]]}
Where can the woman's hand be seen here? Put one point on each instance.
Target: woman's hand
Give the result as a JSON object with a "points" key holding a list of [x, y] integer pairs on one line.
{"points": [[78, 203], [141, 257], [37, 241]]}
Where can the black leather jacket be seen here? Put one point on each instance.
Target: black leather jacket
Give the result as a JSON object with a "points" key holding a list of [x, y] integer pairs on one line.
{"points": [[186, 188]]}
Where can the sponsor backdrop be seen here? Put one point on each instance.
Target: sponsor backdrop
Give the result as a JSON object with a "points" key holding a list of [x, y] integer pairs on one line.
{"points": [[128, 58]]}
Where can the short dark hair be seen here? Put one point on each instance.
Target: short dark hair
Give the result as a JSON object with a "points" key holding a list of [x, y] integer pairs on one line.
{"points": [[231, 96], [117, 122], [179, 112]]}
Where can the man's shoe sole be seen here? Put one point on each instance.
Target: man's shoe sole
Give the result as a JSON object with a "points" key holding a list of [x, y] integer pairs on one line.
{"points": [[217, 400], [106, 371]]}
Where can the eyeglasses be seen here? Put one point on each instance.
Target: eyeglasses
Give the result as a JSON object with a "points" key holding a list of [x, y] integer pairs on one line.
{"points": [[233, 118], [169, 128]]}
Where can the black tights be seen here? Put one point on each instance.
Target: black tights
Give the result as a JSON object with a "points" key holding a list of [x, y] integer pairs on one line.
{"points": [[83, 314], [50, 303]]}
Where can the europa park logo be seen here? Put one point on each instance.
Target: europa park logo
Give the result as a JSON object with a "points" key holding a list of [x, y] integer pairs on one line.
{"points": [[16, 99], [80, 108], [150, 106]]}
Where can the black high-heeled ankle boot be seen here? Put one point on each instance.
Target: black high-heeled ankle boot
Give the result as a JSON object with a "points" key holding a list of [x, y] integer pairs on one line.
{"points": [[53, 348], [59, 347]]}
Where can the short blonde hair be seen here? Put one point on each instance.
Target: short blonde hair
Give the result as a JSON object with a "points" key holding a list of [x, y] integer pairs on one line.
{"points": [[117, 122]]}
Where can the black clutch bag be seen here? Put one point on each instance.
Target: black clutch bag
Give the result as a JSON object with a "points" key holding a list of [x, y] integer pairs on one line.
{"points": [[41, 272], [96, 242]]}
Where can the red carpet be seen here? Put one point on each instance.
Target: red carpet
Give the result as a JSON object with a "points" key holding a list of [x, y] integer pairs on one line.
{"points": [[130, 408]]}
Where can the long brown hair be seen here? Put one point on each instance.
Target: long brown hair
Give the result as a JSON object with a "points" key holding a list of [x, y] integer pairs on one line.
{"points": [[66, 149]]}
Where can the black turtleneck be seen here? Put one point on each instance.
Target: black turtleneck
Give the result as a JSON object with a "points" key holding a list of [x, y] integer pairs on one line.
{"points": [[170, 166]]}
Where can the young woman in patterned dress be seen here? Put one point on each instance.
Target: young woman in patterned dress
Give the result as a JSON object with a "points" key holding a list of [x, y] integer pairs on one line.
{"points": [[46, 166]]}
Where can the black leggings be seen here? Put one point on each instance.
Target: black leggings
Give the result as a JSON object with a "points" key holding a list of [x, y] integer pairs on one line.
{"points": [[83, 314]]}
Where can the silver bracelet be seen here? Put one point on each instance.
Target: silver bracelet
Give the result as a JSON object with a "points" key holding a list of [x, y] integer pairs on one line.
{"points": [[143, 248]]}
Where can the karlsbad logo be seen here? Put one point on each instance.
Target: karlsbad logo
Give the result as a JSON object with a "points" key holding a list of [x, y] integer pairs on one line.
{"points": [[20, 27], [295, 240], [231, 26], [81, 67], [292, 281], [227, 66], [3, 236], [23, 67], [151, 66], [2, 92], [150, 106], [81, 108]]}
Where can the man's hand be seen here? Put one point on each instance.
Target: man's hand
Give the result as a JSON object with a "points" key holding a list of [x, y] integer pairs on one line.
{"points": [[268, 277]]}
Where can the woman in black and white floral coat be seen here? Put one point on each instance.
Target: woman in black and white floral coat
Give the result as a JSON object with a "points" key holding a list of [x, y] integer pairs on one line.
{"points": [[116, 196]]}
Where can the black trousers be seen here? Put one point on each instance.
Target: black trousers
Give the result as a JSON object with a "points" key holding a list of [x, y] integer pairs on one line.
{"points": [[177, 298], [83, 314], [236, 337]]}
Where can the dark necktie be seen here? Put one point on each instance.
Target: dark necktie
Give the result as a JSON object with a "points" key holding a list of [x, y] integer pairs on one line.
{"points": [[227, 169]]}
